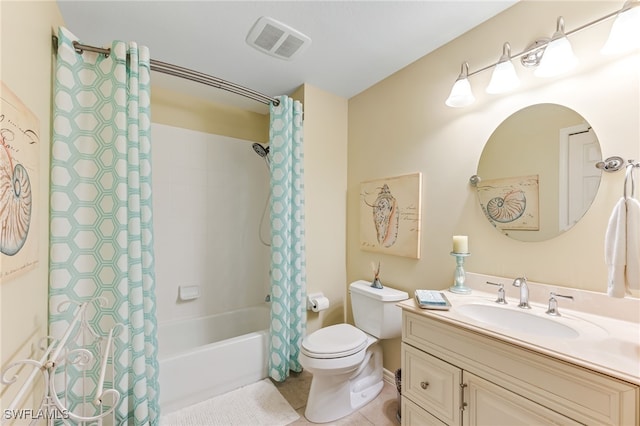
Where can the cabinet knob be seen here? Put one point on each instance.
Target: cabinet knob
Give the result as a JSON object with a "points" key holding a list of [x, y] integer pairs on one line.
{"points": [[424, 385]]}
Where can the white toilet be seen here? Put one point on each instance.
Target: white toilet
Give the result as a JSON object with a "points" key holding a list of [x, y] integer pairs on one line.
{"points": [[346, 362]]}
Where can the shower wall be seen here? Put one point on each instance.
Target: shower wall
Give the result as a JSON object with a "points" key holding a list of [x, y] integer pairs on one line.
{"points": [[209, 194]]}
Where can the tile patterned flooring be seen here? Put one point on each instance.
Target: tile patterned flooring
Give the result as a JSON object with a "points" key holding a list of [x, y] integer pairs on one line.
{"points": [[379, 412]]}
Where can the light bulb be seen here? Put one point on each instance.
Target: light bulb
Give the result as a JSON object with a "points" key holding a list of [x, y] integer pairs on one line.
{"points": [[461, 94], [558, 56], [625, 32], [504, 77]]}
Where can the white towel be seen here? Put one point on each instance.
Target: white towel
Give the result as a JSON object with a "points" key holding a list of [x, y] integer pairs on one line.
{"points": [[622, 248], [633, 244], [615, 249]]}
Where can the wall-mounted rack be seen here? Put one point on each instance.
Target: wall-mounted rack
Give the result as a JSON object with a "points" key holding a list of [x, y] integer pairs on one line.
{"points": [[611, 164], [74, 350]]}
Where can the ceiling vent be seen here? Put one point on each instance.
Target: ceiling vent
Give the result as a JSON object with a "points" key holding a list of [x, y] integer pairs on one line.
{"points": [[277, 39]]}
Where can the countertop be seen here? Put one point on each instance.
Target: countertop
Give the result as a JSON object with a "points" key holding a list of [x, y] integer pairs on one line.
{"points": [[606, 345]]}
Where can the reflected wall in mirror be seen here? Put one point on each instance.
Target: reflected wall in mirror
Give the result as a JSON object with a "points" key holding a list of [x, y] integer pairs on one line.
{"points": [[537, 172]]}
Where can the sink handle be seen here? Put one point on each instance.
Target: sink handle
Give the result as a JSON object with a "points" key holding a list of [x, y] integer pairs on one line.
{"points": [[553, 303], [500, 298]]}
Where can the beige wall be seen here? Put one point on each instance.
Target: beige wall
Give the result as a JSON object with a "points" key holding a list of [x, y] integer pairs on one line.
{"points": [[26, 56], [325, 167], [401, 125], [180, 110]]}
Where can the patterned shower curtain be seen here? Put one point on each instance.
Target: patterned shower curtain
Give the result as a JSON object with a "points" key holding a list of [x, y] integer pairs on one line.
{"points": [[101, 236], [288, 265]]}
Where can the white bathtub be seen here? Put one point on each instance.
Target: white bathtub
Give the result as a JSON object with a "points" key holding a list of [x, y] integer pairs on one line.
{"points": [[204, 357]]}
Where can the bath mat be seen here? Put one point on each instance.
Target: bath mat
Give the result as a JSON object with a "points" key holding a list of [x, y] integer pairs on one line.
{"points": [[256, 404]]}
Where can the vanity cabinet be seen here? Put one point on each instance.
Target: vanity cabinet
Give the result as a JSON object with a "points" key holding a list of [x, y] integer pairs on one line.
{"points": [[453, 375], [447, 391]]}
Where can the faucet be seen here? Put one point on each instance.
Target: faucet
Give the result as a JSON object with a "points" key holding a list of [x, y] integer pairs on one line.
{"points": [[524, 292], [500, 298], [553, 303]]}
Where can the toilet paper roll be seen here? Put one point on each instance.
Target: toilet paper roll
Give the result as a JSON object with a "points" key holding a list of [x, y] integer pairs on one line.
{"points": [[319, 304]]}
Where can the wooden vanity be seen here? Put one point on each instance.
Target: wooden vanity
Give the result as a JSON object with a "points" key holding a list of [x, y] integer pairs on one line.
{"points": [[460, 373]]}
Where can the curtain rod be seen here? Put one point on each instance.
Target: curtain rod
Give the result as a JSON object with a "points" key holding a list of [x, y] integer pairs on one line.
{"points": [[185, 73]]}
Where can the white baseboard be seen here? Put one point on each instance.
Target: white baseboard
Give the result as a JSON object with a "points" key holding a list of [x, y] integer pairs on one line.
{"points": [[389, 377]]}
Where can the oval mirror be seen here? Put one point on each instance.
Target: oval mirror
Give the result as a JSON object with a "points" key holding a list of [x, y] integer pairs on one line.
{"points": [[538, 173]]}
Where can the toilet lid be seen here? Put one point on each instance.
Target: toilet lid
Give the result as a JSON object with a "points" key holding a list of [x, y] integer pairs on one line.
{"points": [[334, 341]]}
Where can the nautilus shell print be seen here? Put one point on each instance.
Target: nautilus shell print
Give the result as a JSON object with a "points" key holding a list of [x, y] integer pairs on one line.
{"points": [[386, 217], [508, 208], [15, 204]]}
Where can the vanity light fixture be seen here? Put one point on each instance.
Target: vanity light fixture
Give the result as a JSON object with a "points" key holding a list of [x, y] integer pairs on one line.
{"points": [[461, 94], [558, 56], [504, 77], [550, 56]]}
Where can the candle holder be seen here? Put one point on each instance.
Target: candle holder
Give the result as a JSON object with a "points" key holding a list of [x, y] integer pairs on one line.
{"points": [[460, 275]]}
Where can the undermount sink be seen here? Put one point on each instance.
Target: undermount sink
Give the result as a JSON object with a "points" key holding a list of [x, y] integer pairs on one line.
{"points": [[520, 321]]}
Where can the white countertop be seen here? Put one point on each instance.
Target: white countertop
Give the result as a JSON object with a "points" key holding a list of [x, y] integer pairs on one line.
{"points": [[607, 345]]}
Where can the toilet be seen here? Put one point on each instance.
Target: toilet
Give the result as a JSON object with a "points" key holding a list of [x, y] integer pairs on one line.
{"points": [[346, 361]]}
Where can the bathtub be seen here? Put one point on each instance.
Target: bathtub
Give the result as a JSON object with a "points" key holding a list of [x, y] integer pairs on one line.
{"points": [[204, 357]]}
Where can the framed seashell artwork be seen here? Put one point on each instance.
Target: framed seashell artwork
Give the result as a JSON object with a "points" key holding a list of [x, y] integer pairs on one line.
{"points": [[511, 203], [390, 215], [19, 154]]}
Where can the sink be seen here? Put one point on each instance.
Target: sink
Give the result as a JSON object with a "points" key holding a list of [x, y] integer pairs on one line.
{"points": [[520, 321]]}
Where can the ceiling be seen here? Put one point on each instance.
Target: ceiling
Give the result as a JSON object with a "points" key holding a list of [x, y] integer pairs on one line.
{"points": [[355, 44]]}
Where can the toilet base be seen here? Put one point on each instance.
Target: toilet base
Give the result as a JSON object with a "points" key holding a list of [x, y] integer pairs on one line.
{"points": [[334, 396]]}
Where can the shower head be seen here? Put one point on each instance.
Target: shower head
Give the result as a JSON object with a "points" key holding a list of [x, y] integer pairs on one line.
{"points": [[260, 150]]}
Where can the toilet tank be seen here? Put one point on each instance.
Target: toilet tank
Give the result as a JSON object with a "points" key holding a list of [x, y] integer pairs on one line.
{"points": [[375, 311]]}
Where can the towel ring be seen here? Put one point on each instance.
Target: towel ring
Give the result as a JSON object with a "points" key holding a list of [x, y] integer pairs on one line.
{"points": [[629, 173]]}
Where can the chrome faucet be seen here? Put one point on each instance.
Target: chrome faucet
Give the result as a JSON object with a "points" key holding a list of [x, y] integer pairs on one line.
{"points": [[553, 303], [501, 294], [524, 292]]}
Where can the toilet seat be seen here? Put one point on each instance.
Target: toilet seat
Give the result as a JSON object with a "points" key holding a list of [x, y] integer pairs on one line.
{"points": [[335, 341]]}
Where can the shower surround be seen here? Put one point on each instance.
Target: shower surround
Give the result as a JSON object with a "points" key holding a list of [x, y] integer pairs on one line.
{"points": [[209, 196], [210, 193]]}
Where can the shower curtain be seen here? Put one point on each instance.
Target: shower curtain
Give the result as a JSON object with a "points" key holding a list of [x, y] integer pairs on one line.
{"points": [[288, 265], [101, 236]]}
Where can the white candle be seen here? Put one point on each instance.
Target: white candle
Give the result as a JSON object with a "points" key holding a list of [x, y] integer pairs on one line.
{"points": [[460, 244]]}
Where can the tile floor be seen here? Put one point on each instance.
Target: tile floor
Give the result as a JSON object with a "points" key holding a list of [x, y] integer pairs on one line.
{"points": [[379, 412]]}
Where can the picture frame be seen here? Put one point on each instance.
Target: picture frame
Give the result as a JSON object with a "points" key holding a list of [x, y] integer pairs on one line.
{"points": [[19, 171], [390, 215]]}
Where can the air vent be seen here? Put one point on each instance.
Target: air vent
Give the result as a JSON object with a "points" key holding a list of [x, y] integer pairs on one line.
{"points": [[277, 39]]}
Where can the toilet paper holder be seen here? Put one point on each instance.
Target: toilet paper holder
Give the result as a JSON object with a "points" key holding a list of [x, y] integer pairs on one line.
{"points": [[311, 297]]}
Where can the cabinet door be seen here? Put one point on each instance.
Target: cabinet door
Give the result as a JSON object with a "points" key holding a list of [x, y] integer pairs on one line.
{"points": [[432, 384], [412, 415], [491, 405]]}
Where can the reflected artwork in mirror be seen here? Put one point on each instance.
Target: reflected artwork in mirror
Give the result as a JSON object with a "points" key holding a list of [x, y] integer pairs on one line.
{"points": [[537, 172]]}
